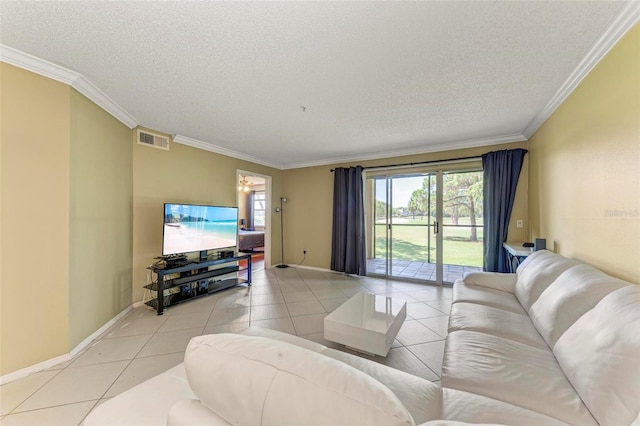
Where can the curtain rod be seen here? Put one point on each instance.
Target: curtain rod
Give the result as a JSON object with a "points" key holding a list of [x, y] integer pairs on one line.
{"points": [[474, 157]]}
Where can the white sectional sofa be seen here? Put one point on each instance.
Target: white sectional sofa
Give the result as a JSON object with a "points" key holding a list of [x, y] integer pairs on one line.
{"points": [[556, 343]]}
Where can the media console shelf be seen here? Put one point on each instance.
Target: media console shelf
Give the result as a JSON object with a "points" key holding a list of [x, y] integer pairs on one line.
{"points": [[196, 279]]}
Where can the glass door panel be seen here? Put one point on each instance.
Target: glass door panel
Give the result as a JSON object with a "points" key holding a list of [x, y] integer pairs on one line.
{"points": [[411, 251], [378, 257], [402, 218], [462, 224]]}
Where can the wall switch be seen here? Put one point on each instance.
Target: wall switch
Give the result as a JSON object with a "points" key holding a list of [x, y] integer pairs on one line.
{"points": [[519, 223]]}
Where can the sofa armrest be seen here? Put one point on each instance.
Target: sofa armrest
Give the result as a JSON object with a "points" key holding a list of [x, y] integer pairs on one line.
{"points": [[187, 412], [494, 280], [454, 423]]}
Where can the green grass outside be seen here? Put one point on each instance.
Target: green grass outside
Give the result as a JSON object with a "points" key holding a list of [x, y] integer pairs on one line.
{"points": [[410, 242]]}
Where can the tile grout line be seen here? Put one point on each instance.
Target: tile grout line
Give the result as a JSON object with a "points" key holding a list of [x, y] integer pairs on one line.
{"points": [[34, 392], [128, 364]]}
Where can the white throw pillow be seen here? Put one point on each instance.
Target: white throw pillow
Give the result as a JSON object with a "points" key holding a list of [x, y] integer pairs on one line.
{"points": [[494, 280], [248, 380]]}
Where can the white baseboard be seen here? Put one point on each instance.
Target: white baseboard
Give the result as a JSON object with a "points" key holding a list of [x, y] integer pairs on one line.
{"points": [[24, 372], [314, 268], [33, 369], [305, 267], [75, 351]]}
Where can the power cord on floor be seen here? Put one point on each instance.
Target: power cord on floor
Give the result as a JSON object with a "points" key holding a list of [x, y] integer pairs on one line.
{"points": [[304, 256]]}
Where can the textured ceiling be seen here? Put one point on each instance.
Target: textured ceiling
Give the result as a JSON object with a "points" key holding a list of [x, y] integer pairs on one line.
{"points": [[375, 78]]}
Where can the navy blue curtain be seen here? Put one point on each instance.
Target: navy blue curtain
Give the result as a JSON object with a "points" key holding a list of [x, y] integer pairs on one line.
{"points": [[348, 244], [501, 172]]}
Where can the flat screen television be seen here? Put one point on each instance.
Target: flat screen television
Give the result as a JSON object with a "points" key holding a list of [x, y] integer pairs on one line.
{"points": [[192, 228]]}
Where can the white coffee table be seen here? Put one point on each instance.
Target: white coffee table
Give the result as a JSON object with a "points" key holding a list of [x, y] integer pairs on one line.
{"points": [[366, 322]]}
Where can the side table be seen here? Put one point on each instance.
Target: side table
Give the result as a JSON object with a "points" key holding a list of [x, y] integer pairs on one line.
{"points": [[516, 253]]}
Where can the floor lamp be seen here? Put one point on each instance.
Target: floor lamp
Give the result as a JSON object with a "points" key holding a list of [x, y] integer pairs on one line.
{"points": [[279, 210]]}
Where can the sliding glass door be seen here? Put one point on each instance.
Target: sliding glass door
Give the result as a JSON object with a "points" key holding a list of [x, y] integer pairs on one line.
{"points": [[462, 229], [425, 226]]}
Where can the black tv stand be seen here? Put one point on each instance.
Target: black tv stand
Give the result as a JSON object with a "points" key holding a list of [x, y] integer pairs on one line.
{"points": [[179, 283]]}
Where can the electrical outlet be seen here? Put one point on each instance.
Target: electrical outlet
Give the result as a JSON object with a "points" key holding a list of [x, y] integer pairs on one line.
{"points": [[519, 223]]}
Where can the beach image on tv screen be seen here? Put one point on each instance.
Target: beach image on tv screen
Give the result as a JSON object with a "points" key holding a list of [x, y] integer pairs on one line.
{"points": [[189, 228]]}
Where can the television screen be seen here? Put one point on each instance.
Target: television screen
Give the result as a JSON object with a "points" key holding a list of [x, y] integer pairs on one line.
{"points": [[189, 228]]}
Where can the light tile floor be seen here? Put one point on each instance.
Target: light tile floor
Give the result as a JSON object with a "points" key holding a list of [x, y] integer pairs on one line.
{"points": [[292, 300]]}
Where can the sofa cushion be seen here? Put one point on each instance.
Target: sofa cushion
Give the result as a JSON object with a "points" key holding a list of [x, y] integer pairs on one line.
{"points": [[189, 412], [486, 296], [536, 273], [498, 322], [470, 407], [494, 280], [573, 293], [600, 354], [421, 398], [283, 337], [256, 380], [512, 372], [453, 423]]}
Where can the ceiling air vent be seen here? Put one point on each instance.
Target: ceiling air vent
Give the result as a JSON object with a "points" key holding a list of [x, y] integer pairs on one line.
{"points": [[153, 139]]}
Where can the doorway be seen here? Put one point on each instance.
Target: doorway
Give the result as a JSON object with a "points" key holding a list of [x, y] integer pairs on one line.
{"points": [[254, 217], [425, 225]]}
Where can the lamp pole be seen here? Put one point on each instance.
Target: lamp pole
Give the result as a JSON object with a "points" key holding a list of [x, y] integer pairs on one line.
{"points": [[282, 264]]}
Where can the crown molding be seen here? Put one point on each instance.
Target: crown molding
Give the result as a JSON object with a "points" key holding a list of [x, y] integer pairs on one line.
{"points": [[98, 97], [626, 18], [64, 75], [195, 143], [438, 147], [36, 65]]}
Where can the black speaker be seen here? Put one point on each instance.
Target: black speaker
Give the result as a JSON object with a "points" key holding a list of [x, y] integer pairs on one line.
{"points": [[225, 254], [540, 244]]}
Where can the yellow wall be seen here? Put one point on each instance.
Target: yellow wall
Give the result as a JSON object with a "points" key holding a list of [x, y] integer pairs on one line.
{"points": [[182, 175], [308, 213], [101, 218], [34, 266], [585, 167]]}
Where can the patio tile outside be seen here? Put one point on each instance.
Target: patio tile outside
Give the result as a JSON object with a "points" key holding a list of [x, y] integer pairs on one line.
{"points": [[419, 270]]}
